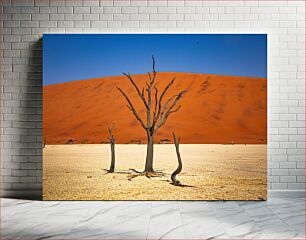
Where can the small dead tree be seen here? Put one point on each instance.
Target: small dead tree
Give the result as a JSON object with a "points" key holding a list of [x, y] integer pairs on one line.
{"points": [[180, 165], [112, 145], [157, 111]]}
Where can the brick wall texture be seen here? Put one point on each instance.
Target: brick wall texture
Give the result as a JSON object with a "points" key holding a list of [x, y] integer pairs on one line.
{"points": [[24, 22]]}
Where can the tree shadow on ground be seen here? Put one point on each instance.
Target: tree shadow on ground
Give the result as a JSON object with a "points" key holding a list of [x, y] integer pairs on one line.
{"points": [[133, 173]]}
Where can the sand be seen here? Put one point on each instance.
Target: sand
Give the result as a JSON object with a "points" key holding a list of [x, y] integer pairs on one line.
{"points": [[212, 171], [216, 109]]}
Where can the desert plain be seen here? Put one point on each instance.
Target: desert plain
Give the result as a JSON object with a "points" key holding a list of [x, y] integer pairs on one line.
{"points": [[210, 172]]}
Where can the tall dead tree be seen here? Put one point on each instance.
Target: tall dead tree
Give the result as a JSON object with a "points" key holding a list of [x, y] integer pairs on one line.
{"points": [[112, 145], [179, 159], [157, 112]]}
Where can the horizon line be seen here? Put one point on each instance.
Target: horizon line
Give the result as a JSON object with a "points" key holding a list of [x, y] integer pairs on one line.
{"points": [[150, 72]]}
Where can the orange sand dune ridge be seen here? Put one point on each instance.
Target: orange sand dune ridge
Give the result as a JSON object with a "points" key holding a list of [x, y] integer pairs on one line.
{"points": [[216, 109]]}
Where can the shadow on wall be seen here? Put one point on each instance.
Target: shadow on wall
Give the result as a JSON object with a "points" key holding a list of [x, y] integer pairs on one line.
{"points": [[29, 154]]}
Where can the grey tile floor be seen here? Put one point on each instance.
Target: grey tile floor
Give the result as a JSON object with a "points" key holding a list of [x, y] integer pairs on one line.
{"points": [[273, 219]]}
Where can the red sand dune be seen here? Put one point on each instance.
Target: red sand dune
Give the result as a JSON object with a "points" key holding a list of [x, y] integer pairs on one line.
{"points": [[216, 109]]}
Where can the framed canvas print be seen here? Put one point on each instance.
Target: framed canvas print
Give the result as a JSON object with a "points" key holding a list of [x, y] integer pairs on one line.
{"points": [[154, 117]]}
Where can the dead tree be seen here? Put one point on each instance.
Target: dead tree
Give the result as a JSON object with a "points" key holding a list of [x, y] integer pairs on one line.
{"points": [[112, 145], [180, 165], [157, 112]]}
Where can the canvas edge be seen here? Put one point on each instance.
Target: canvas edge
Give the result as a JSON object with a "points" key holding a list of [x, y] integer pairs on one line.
{"points": [[36, 194]]}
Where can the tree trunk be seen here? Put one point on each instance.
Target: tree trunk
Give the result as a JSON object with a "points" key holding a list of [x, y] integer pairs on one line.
{"points": [[149, 158], [180, 165], [112, 167]]}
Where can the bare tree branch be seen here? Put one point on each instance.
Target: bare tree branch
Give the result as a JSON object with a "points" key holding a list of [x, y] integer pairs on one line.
{"points": [[160, 101], [153, 60], [175, 110], [166, 104], [131, 107], [154, 72], [165, 116], [156, 101], [149, 99], [137, 89], [178, 97], [137, 117], [149, 86]]}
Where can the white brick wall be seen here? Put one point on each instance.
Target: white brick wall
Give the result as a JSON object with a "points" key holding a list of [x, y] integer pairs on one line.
{"points": [[24, 22]]}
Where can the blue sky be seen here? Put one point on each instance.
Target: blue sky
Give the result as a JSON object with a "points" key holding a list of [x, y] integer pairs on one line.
{"points": [[69, 57]]}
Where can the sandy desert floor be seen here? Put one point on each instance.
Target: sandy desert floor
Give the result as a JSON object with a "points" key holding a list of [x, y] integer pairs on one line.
{"points": [[211, 171]]}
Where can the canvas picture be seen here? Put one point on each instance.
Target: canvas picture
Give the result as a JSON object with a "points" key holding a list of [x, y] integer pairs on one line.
{"points": [[154, 117]]}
